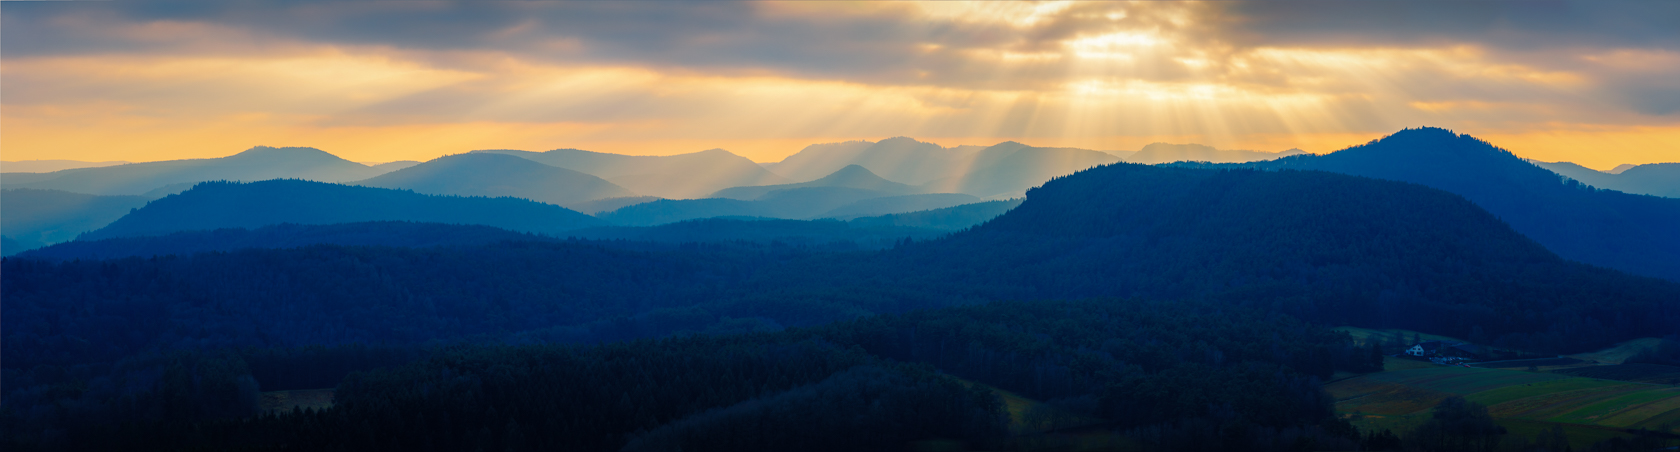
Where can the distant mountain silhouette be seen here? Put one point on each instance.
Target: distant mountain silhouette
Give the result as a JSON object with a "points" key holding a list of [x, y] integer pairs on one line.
{"points": [[691, 175], [1633, 233], [1003, 170], [393, 166], [947, 219], [901, 159], [34, 218], [898, 204], [1655, 179], [1008, 169], [851, 176], [496, 175], [1620, 168], [1167, 153], [47, 166], [791, 203], [379, 233], [219, 205], [611, 204], [258, 163]]}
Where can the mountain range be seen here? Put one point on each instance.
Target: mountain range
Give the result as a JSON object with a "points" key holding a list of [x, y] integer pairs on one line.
{"points": [[1003, 170], [498, 175], [1655, 179], [692, 175], [852, 191], [851, 176], [258, 163], [1623, 231]]}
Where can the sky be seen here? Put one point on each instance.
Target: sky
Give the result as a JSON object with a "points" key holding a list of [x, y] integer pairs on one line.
{"points": [[1597, 83]]}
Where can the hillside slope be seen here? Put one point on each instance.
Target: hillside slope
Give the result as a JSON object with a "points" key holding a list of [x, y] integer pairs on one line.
{"points": [[218, 205], [34, 218], [497, 175]]}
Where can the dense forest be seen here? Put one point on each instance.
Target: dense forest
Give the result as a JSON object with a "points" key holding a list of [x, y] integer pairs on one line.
{"points": [[1205, 296], [1162, 373]]}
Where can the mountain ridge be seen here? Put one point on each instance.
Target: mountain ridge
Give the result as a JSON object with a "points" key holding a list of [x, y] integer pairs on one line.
{"points": [[679, 176], [254, 164], [1618, 230], [496, 175], [218, 205]]}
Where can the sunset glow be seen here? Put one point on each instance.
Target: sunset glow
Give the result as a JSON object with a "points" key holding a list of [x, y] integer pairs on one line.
{"points": [[378, 81]]}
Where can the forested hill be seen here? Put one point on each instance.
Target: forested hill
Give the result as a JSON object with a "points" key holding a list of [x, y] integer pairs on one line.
{"points": [[217, 205], [1332, 248], [1633, 233]]}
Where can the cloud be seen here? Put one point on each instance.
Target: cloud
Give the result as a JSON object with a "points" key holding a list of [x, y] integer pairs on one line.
{"points": [[617, 71]]}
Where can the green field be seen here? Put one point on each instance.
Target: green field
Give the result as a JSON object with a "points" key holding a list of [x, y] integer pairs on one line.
{"points": [[1619, 353], [1589, 409]]}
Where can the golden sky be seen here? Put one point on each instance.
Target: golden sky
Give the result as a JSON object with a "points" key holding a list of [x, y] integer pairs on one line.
{"points": [[1597, 83]]}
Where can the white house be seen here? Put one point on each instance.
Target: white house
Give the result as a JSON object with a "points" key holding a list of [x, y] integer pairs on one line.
{"points": [[1426, 348]]}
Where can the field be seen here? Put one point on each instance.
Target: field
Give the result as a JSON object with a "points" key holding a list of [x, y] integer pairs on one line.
{"points": [[1642, 373], [1620, 353], [1589, 409], [1545, 363]]}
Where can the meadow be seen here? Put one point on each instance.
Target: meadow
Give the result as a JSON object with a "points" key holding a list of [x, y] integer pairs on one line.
{"points": [[1588, 409]]}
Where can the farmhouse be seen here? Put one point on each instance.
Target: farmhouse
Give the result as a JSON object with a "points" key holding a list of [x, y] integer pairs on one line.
{"points": [[1446, 349], [1429, 348]]}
